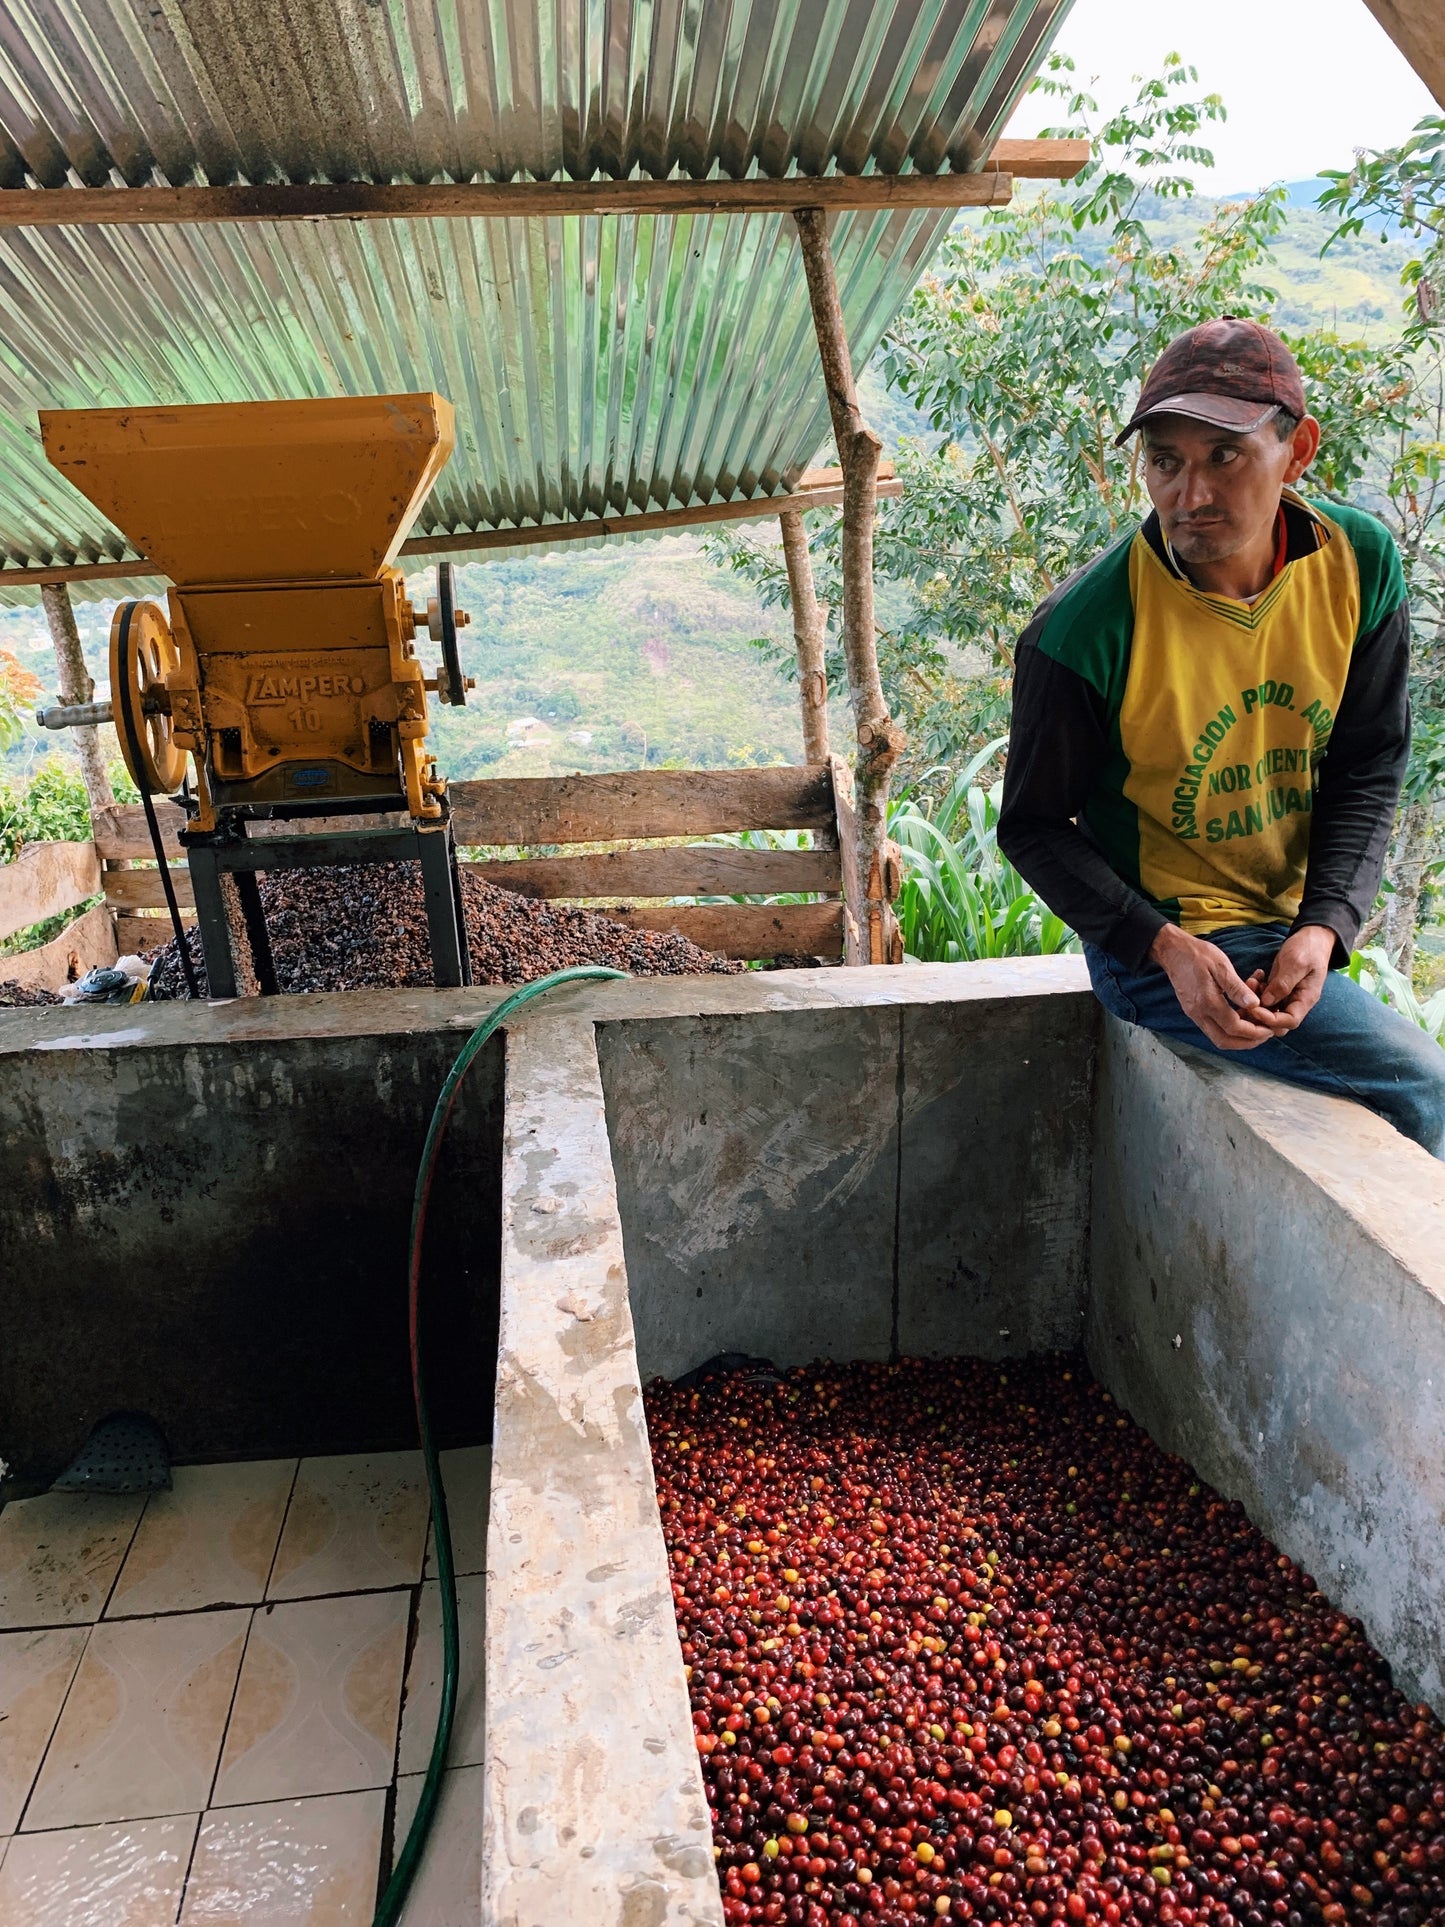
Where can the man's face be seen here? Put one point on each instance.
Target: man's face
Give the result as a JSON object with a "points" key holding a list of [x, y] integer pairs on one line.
{"points": [[1217, 491]]}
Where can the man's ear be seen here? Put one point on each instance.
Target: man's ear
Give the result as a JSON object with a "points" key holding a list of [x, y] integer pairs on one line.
{"points": [[1304, 446]]}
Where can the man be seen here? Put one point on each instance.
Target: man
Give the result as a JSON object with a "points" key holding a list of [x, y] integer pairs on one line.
{"points": [[1210, 730]]}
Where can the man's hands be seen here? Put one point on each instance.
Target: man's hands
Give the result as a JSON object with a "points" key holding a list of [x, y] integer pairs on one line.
{"points": [[1239, 1014], [1298, 974]]}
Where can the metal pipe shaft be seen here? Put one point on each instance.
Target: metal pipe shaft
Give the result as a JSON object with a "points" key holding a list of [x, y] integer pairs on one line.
{"points": [[74, 715]]}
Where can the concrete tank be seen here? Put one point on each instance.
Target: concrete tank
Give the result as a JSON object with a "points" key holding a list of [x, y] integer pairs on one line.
{"points": [[204, 1214]]}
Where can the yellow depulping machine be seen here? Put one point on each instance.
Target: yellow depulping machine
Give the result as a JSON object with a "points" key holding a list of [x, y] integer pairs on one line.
{"points": [[284, 670]]}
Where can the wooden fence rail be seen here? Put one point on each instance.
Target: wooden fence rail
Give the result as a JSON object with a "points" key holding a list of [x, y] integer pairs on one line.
{"points": [[630, 804], [44, 880], [638, 887]]}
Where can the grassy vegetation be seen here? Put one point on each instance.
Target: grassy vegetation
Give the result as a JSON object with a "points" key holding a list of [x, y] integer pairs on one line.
{"points": [[1354, 289], [611, 659], [47, 806], [961, 898], [1372, 969]]}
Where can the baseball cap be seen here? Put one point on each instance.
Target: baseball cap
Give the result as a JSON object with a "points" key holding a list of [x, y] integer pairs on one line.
{"points": [[1230, 373]]}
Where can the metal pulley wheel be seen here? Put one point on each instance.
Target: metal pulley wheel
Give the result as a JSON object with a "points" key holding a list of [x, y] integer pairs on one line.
{"points": [[456, 692], [441, 620], [143, 657]]}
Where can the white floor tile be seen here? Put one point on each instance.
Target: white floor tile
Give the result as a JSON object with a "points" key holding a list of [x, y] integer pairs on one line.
{"points": [[353, 1524], [294, 1863], [36, 1669], [113, 1876], [467, 1479], [318, 1701], [59, 1555], [447, 1891], [424, 1679], [142, 1726], [209, 1541]]}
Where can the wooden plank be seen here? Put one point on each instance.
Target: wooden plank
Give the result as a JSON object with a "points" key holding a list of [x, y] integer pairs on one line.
{"points": [[695, 870], [732, 929], [78, 572], [121, 834], [120, 831], [1041, 160], [89, 941], [489, 200], [634, 873], [854, 945], [638, 522], [143, 889], [627, 804], [133, 935], [45, 879], [686, 871], [1417, 28], [819, 488], [746, 930]]}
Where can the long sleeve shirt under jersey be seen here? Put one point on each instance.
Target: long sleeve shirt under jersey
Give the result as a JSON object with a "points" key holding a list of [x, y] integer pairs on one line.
{"points": [[1178, 756]]}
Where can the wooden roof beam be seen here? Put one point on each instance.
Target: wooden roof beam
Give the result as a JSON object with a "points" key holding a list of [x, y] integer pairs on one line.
{"points": [[1417, 28], [817, 488], [456, 200]]}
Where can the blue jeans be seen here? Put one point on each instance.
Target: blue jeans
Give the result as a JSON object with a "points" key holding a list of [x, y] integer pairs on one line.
{"points": [[1350, 1045]]}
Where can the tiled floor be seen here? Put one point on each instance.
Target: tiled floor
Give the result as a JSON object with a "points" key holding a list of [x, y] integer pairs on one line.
{"points": [[216, 1705]]}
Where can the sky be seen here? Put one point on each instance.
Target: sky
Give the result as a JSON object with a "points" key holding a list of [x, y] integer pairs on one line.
{"points": [[1306, 82]]}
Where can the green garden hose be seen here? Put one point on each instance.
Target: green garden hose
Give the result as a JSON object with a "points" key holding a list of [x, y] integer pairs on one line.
{"points": [[392, 1901]]}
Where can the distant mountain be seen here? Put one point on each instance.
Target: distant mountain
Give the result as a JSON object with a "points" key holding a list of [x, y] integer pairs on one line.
{"points": [[1306, 194]]}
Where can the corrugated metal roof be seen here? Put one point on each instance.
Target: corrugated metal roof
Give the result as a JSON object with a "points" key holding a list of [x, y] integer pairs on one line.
{"points": [[597, 364]]}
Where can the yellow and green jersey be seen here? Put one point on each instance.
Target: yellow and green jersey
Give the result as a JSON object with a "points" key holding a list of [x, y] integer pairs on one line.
{"points": [[1184, 756]]}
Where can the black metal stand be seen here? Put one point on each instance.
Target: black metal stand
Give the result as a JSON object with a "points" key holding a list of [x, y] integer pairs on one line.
{"points": [[224, 863]]}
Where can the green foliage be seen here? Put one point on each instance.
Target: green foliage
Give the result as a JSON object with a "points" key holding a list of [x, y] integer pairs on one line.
{"points": [[961, 899], [18, 690], [1025, 349], [1022, 353], [49, 806], [950, 698], [1388, 426], [1373, 971], [606, 659], [1403, 189]]}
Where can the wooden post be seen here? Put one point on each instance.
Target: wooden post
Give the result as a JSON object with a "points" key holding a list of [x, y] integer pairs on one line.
{"points": [[810, 623], [880, 740], [76, 686]]}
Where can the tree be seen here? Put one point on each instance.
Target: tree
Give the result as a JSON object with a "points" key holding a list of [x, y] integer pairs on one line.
{"points": [[1026, 347], [1385, 441], [1022, 351]]}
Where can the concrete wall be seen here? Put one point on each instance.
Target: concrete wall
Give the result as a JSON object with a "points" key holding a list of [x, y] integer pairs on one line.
{"points": [[205, 1217], [1269, 1301], [592, 1794], [886, 1176], [204, 1212]]}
